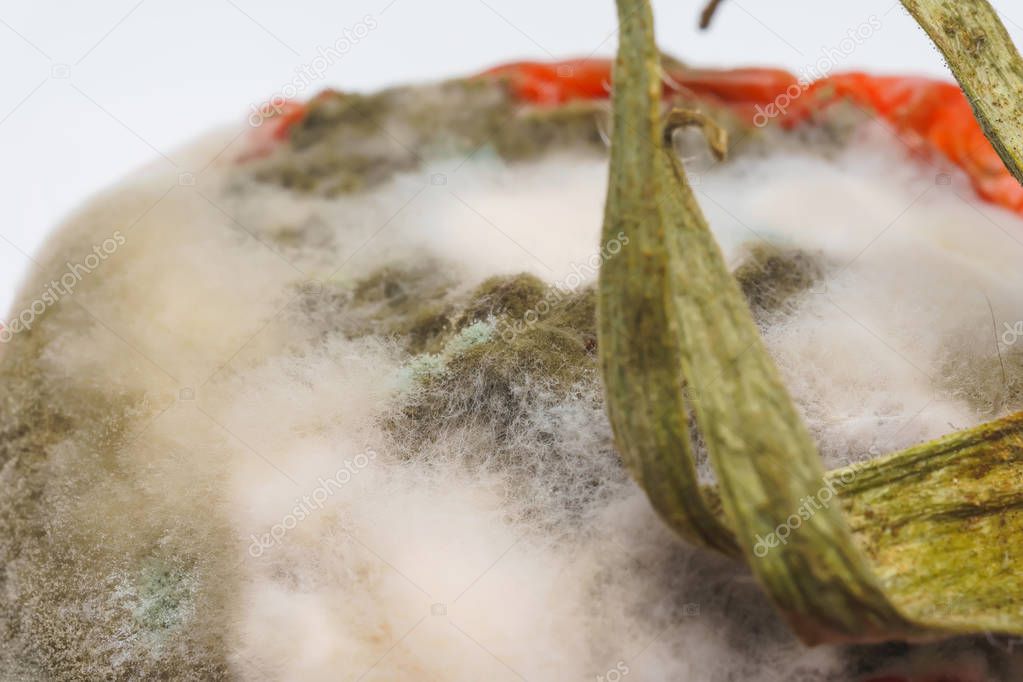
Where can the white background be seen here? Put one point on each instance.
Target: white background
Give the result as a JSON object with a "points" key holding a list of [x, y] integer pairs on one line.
{"points": [[91, 90]]}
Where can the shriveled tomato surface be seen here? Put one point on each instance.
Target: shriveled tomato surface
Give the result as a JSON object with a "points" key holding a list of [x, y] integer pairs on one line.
{"points": [[926, 113]]}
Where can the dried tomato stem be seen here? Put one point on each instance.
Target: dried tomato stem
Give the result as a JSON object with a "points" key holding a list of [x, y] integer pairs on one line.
{"points": [[670, 312], [987, 65], [707, 15], [641, 364]]}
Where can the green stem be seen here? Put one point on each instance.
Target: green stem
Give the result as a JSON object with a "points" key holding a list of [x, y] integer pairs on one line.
{"points": [[640, 361], [672, 305], [941, 525], [987, 65]]}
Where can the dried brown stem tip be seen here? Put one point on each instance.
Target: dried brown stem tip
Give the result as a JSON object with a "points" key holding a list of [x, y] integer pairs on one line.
{"points": [[708, 13], [715, 134]]}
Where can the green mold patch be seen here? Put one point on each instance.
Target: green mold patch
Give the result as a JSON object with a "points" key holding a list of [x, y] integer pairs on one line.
{"points": [[512, 296], [409, 303], [506, 355], [427, 366], [533, 132], [406, 303], [160, 597], [351, 142], [771, 277], [332, 109]]}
